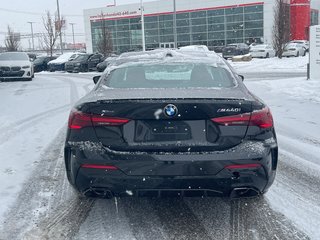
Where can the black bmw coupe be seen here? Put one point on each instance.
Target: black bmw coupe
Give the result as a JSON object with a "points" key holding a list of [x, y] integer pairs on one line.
{"points": [[170, 123]]}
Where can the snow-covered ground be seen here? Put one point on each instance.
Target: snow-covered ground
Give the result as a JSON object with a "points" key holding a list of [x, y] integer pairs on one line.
{"points": [[36, 201], [295, 104], [292, 64], [32, 114]]}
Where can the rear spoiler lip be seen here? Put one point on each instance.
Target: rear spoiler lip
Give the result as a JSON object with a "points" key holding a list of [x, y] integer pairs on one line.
{"points": [[168, 99]]}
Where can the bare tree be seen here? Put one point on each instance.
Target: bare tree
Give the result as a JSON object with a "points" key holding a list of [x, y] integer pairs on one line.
{"points": [[53, 30], [104, 44], [12, 41], [281, 27]]}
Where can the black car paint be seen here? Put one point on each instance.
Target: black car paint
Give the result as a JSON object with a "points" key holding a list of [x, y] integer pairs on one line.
{"points": [[235, 49], [84, 63], [41, 63], [152, 165]]}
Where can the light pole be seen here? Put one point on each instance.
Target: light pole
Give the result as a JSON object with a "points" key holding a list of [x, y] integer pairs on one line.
{"points": [[175, 24], [31, 24], [142, 26], [60, 26], [74, 42]]}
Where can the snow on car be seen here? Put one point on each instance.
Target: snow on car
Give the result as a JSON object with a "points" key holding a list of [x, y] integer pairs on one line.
{"points": [[59, 63]]}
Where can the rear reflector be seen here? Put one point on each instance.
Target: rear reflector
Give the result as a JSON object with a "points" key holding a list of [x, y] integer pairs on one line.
{"points": [[94, 166], [78, 120], [261, 118], [243, 166]]}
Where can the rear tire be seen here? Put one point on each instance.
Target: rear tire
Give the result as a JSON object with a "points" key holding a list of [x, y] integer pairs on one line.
{"points": [[298, 54], [267, 55]]}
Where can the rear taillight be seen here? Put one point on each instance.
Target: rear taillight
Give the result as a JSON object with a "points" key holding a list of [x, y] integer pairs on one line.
{"points": [[234, 120], [261, 118], [96, 166], [78, 120]]}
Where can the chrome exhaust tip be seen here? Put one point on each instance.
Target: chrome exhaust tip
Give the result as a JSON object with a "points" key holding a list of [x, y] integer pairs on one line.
{"points": [[244, 192]]}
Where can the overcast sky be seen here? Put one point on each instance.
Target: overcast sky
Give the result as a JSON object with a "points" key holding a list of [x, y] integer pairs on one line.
{"points": [[17, 14]]}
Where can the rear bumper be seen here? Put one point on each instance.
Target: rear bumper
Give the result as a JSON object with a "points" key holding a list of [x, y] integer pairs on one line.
{"points": [[116, 183], [204, 174]]}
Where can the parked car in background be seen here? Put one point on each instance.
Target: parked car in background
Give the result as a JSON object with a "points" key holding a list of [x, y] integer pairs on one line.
{"points": [[294, 50], [15, 65], [32, 56], [59, 63], [303, 43], [122, 137], [41, 63], [94, 60], [83, 63], [235, 49], [262, 51], [103, 65], [218, 49]]}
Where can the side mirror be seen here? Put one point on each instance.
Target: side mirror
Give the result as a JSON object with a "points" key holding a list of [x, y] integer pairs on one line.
{"points": [[96, 79], [242, 77]]}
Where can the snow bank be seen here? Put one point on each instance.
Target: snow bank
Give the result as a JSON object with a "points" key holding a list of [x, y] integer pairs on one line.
{"points": [[293, 64]]}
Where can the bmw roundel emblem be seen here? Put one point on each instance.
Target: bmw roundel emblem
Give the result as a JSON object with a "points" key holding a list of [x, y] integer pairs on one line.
{"points": [[170, 110]]}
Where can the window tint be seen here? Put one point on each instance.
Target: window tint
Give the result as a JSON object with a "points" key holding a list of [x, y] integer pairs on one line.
{"points": [[170, 76]]}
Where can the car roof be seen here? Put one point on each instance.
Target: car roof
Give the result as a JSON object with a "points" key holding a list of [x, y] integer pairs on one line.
{"points": [[169, 55]]}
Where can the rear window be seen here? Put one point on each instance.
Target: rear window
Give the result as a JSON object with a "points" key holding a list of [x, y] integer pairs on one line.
{"points": [[170, 76]]}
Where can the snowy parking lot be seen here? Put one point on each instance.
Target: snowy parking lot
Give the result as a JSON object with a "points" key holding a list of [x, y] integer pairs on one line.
{"points": [[37, 201]]}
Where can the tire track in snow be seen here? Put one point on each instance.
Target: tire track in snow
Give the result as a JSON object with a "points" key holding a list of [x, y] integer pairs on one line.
{"points": [[46, 208], [254, 219], [178, 221], [64, 224], [74, 94], [108, 220], [16, 128], [242, 219], [296, 192]]}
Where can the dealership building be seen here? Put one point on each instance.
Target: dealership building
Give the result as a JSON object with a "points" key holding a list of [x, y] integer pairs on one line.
{"points": [[206, 22]]}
